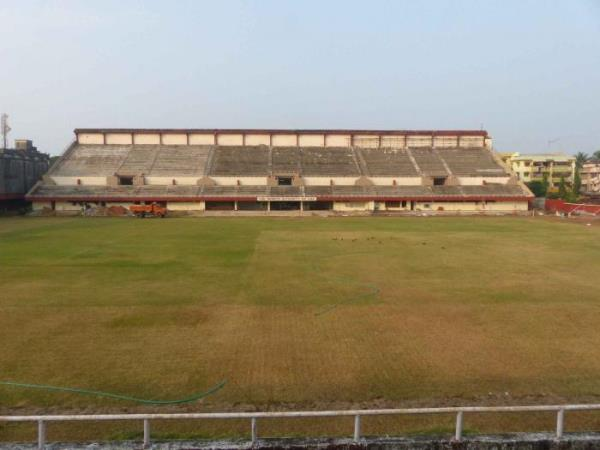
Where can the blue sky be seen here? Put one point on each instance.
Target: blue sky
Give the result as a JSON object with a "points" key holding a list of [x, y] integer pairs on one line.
{"points": [[527, 71]]}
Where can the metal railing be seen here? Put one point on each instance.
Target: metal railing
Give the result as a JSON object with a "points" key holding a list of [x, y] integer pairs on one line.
{"points": [[459, 411]]}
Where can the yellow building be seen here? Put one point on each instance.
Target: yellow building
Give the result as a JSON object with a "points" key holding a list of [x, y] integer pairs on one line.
{"points": [[533, 167], [590, 177]]}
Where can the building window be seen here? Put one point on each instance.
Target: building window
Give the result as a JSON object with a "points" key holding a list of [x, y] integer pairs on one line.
{"points": [[126, 181], [392, 204], [284, 181], [439, 181]]}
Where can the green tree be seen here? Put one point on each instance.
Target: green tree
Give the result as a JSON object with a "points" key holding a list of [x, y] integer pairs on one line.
{"points": [[562, 189], [576, 184], [545, 183], [597, 154], [580, 159], [538, 188]]}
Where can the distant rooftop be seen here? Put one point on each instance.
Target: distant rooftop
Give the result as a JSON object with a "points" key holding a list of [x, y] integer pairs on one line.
{"points": [[544, 157]]}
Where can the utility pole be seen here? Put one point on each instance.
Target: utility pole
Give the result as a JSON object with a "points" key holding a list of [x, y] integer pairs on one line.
{"points": [[4, 129]]}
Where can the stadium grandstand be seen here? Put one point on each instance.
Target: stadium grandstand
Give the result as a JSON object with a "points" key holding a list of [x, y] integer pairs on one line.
{"points": [[345, 171]]}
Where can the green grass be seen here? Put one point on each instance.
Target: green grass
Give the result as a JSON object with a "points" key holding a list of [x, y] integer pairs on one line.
{"points": [[299, 313]]}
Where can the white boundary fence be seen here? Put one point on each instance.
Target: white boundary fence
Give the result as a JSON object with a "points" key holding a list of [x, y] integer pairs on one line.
{"points": [[459, 411]]}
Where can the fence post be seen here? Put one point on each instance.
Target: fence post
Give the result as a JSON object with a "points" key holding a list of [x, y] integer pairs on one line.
{"points": [[560, 423], [254, 430], [146, 433], [41, 434], [356, 428], [459, 426]]}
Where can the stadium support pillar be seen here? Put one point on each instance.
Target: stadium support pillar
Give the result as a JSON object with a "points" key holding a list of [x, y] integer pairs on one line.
{"points": [[560, 423], [459, 426], [253, 430], [41, 434], [301, 206], [235, 206], [146, 433], [268, 206], [356, 428]]}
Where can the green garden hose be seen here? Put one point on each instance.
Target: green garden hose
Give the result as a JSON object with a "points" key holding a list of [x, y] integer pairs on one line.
{"points": [[191, 399]]}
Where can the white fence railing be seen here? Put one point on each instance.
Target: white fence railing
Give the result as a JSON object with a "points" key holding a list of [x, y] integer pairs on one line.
{"points": [[459, 411]]}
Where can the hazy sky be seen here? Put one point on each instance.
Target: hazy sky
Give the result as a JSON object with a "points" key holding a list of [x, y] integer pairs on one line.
{"points": [[527, 71]]}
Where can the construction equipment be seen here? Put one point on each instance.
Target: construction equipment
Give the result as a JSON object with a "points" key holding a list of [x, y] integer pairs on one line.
{"points": [[152, 210]]}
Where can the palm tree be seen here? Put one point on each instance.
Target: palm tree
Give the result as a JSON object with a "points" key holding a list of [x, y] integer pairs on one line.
{"points": [[597, 154], [580, 159]]}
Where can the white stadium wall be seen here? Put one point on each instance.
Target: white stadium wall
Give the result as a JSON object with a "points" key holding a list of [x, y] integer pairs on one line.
{"points": [[165, 181], [74, 181], [201, 139], [174, 139], [146, 138], [327, 181], [287, 139], [185, 206]]}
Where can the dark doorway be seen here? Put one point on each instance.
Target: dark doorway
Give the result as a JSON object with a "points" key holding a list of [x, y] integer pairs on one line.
{"points": [[252, 206], [219, 206], [285, 206], [318, 206], [126, 181]]}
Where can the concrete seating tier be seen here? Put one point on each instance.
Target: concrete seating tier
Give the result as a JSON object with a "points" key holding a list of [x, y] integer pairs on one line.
{"points": [[115, 191], [429, 162], [244, 161], [395, 191], [351, 190], [225, 191], [286, 160], [251, 190], [445, 190], [497, 190], [471, 162], [180, 161], [219, 190], [387, 162], [240, 161], [139, 160], [285, 191], [317, 161], [317, 190], [92, 160]]}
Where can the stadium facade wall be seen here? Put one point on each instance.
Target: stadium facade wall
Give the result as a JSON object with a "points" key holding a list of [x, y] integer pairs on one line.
{"points": [[288, 138], [345, 207], [186, 206]]}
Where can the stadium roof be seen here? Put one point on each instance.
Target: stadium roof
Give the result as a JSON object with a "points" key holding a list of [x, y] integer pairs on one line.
{"points": [[286, 131]]}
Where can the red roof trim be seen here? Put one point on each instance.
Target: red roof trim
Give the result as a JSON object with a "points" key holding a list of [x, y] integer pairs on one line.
{"points": [[254, 198], [482, 133]]}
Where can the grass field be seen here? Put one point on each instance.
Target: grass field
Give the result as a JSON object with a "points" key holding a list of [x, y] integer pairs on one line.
{"points": [[299, 313]]}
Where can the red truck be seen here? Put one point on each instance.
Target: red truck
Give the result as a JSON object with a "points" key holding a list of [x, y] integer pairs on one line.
{"points": [[153, 210]]}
